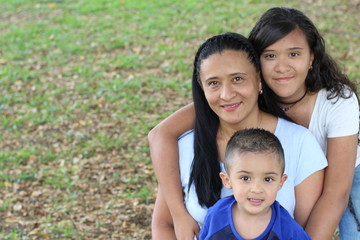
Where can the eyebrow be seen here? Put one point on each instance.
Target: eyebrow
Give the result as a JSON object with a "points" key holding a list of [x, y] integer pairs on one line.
{"points": [[271, 173], [293, 48], [267, 173], [231, 74]]}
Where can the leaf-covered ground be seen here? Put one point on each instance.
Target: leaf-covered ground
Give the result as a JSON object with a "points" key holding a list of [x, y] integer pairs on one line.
{"points": [[82, 83]]}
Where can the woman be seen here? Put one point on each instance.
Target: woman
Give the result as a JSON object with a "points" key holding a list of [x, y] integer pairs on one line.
{"points": [[226, 85], [309, 88]]}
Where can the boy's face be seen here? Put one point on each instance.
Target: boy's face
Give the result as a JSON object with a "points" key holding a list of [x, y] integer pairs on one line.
{"points": [[255, 179]]}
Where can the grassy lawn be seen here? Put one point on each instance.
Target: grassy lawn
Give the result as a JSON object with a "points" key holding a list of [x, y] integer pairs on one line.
{"points": [[81, 84]]}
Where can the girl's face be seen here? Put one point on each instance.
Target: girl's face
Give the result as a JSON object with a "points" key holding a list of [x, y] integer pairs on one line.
{"points": [[231, 85], [285, 65]]}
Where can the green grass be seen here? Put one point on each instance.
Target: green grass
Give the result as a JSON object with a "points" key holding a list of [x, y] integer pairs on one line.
{"points": [[81, 84]]}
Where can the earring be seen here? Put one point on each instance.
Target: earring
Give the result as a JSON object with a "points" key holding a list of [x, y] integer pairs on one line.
{"points": [[261, 92], [310, 68]]}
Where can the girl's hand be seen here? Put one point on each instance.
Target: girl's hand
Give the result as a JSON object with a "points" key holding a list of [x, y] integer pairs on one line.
{"points": [[186, 228]]}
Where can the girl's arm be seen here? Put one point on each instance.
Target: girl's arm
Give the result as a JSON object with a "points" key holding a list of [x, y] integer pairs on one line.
{"points": [[164, 154], [162, 226], [326, 215], [307, 194]]}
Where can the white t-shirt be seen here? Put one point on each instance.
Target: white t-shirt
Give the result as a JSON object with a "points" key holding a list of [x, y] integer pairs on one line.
{"points": [[303, 157], [333, 118]]}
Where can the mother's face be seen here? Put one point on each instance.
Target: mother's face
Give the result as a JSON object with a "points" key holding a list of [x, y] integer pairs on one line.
{"points": [[231, 85]]}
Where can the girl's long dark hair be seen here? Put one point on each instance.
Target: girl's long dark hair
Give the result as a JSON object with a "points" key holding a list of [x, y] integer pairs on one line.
{"points": [[206, 167], [275, 24]]}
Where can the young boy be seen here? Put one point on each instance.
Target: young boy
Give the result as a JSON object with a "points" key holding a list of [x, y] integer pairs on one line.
{"points": [[254, 164]]}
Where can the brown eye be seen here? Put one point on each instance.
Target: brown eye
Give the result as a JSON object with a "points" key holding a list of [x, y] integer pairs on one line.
{"points": [[213, 83], [268, 179], [270, 56], [245, 178], [294, 54], [237, 79]]}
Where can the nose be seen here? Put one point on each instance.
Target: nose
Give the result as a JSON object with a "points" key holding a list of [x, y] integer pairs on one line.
{"points": [[282, 66], [256, 188], [227, 92]]}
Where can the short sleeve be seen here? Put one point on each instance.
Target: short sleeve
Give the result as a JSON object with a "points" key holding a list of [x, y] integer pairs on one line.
{"points": [[343, 117], [311, 158]]}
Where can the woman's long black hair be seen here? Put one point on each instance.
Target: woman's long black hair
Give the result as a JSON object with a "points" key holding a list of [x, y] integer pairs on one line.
{"points": [[278, 22], [206, 166]]}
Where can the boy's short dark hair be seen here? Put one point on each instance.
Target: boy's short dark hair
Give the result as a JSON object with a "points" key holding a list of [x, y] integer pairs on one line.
{"points": [[253, 140]]}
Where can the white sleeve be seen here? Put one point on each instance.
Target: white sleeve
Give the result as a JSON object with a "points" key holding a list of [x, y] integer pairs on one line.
{"points": [[311, 159], [343, 117]]}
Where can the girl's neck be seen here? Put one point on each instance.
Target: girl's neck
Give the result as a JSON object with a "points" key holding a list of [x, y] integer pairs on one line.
{"points": [[285, 106], [301, 112], [293, 98]]}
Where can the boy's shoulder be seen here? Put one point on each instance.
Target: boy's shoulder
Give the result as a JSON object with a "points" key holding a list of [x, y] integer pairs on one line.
{"points": [[217, 224], [221, 205]]}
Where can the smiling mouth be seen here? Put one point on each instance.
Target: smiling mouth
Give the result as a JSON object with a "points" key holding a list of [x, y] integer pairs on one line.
{"points": [[283, 79], [255, 202], [230, 107]]}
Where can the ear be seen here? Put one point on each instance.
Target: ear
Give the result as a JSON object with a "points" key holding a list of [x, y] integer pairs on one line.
{"points": [[260, 84], [282, 181], [311, 58], [225, 180], [198, 79], [200, 84]]}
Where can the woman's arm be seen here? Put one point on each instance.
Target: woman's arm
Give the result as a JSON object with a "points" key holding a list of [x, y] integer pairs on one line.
{"points": [[326, 215], [307, 194], [164, 154]]}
